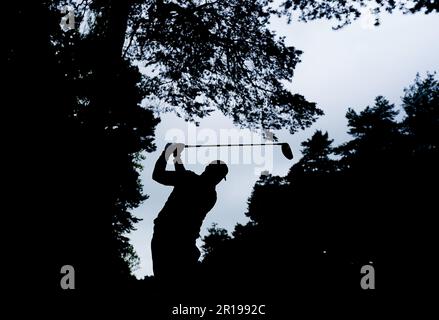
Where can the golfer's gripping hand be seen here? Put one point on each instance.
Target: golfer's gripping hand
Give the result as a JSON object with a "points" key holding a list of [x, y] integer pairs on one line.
{"points": [[173, 148]]}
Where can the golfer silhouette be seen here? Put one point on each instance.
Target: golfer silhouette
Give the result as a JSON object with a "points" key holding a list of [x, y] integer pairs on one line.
{"points": [[177, 226]]}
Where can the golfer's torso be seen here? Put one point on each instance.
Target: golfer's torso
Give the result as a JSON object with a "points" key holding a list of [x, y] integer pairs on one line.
{"points": [[186, 208]]}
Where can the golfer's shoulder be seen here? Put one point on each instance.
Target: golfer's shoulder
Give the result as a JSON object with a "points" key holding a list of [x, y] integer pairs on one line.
{"points": [[190, 174]]}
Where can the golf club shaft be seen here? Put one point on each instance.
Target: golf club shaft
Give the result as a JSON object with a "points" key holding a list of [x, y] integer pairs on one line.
{"points": [[233, 145]]}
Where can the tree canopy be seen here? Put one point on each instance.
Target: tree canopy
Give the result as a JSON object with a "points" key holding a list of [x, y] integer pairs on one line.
{"points": [[366, 202], [347, 11], [201, 56]]}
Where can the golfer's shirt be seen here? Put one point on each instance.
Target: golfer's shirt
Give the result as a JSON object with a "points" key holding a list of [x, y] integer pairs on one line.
{"points": [[187, 206]]}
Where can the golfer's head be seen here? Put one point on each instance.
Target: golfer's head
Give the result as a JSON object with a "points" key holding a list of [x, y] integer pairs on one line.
{"points": [[216, 171]]}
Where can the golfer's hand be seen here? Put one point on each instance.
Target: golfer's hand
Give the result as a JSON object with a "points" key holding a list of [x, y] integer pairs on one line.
{"points": [[179, 147], [174, 148]]}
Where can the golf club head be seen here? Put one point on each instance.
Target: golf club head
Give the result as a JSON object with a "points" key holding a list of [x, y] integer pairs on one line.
{"points": [[286, 150]]}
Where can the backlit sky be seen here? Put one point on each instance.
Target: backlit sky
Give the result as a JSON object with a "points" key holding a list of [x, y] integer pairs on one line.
{"points": [[339, 69]]}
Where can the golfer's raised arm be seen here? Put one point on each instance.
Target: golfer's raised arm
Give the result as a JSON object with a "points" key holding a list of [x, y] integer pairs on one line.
{"points": [[168, 178], [178, 164]]}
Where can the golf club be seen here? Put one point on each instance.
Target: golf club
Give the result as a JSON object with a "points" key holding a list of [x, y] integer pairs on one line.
{"points": [[285, 147]]}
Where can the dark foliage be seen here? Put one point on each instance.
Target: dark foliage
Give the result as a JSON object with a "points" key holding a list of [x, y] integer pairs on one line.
{"points": [[218, 55], [76, 102], [369, 201], [347, 11]]}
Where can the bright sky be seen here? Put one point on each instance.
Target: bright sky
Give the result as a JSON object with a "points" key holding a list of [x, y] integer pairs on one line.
{"points": [[339, 69]]}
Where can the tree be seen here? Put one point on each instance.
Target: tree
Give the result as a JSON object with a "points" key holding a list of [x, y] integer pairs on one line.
{"points": [[421, 123], [86, 128], [376, 135], [347, 11], [215, 239], [315, 228], [218, 55], [316, 154]]}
